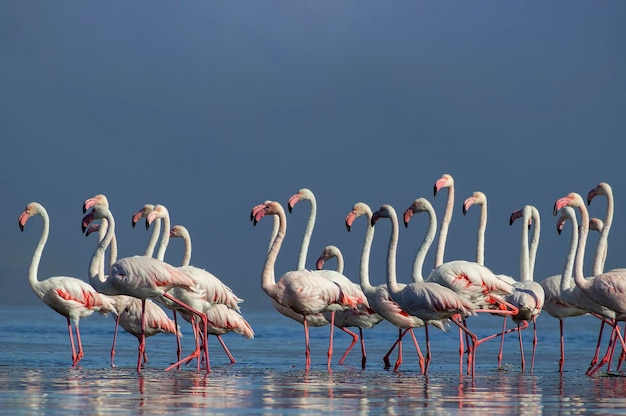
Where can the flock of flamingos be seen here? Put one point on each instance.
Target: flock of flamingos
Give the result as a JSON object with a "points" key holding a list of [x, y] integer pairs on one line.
{"points": [[134, 287]]}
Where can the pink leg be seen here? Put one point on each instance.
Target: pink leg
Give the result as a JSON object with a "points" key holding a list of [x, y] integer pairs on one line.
{"points": [[79, 355], [418, 350], [226, 350], [69, 329], [615, 334], [594, 360], [399, 359], [502, 343], [307, 350], [622, 356], [330, 344], [472, 348], [532, 360], [196, 353], [355, 338], [427, 358], [142, 339], [179, 349], [205, 324], [363, 353], [117, 325], [562, 359], [398, 342], [521, 349]]}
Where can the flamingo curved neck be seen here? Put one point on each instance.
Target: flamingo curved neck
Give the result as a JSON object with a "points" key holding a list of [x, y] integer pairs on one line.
{"points": [[566, 277], [480, 237], [392, 283], [600, 255], [187, 253], [34, 263], [268, 279], [418, 262], [165, 238], [534, 243], [583, 230], [443, 230], [364, 269], [97, 278], [308, 231], [154, 237], [524, 250]]}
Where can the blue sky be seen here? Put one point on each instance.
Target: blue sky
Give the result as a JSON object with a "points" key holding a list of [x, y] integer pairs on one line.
{"points": [[213, 107]]}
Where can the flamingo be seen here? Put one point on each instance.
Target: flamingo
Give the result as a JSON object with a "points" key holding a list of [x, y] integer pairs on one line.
{"points": [[224, 311], [139, 276], [428, 301], [607, 289], [360, 317], [474, 281], [479, 198], [313, 320], [528, 296], [218, 303], [128, 309], [68, 296], [603, 227], [378, 296], [305, 194], [553, 286], [305, 292]]}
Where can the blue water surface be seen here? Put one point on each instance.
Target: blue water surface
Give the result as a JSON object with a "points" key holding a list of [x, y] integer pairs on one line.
{"points": [[36, 376]]}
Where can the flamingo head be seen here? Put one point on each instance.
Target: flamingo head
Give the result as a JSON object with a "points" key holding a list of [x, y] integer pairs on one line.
{"points": [[178, 231], [602, 188], [419, 205], [98, 199], [142, 213], [572, 200], [304, 194], [360, 208], [30, 211], [384, 212], [97, 212], [477, 198], [261, 210], [328, 253], [446, 181], [159, 212]]}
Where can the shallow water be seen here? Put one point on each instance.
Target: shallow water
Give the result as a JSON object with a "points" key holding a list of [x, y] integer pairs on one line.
{"points": [[36, 376]]}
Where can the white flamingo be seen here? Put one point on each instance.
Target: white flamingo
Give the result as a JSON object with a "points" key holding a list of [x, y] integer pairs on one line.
{"points": [[139, 276], [68, 296], [305, 194], [220, 304], [428, 301], [304, 291], [554, 286], [528, 296], [360, 317], [474, 281], [607, 289], [128, 309], [225, 311]]}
